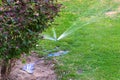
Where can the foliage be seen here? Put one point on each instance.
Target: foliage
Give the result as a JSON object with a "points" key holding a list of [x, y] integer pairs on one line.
{"points": [[21, 22]]}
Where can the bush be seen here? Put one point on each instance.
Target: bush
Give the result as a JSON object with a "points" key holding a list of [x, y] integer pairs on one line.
{"points": [[21, 22]]}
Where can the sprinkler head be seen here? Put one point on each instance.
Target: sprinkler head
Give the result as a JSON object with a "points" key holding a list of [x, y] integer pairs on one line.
{"points": [[56, 39]]}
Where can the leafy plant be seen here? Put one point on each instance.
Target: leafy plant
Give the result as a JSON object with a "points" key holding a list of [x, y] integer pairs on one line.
{"points": [[21, 22]]}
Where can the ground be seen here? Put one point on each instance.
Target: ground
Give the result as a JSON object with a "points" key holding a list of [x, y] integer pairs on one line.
{"points": [[95, 48], [44, 69]]}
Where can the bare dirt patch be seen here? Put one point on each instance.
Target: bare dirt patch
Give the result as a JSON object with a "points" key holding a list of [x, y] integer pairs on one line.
{"points": [[116, 0], [113, 13], [119, 8], [44, 69]]}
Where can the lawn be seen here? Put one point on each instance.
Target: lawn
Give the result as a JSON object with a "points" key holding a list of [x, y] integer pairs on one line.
{"points": [[94, 49]]}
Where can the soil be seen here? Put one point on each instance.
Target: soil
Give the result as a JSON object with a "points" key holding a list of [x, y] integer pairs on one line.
{"points": [[116, 0], [44, 69], [113, 13]]}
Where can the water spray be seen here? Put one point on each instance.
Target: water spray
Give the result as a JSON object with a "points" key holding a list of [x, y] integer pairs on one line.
{"points": [[73, 27]]}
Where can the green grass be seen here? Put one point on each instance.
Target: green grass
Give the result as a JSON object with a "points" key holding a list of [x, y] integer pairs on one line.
{"points": [[94, 48]]}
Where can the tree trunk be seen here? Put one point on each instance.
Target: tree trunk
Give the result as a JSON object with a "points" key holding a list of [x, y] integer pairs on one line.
{"points": [[6, 67], [4, 70]]}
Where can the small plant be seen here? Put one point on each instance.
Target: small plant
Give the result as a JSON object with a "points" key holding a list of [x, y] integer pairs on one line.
{"points": [[21, 22]]}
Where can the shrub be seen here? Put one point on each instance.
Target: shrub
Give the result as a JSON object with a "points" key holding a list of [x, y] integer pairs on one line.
{"points": [[21, 22]]}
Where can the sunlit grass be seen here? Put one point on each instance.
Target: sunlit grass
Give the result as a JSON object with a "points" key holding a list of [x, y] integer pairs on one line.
{"points": [[94, 48]]}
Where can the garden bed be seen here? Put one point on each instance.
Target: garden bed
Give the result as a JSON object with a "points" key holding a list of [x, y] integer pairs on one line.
{"points": [[44, 70]]}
